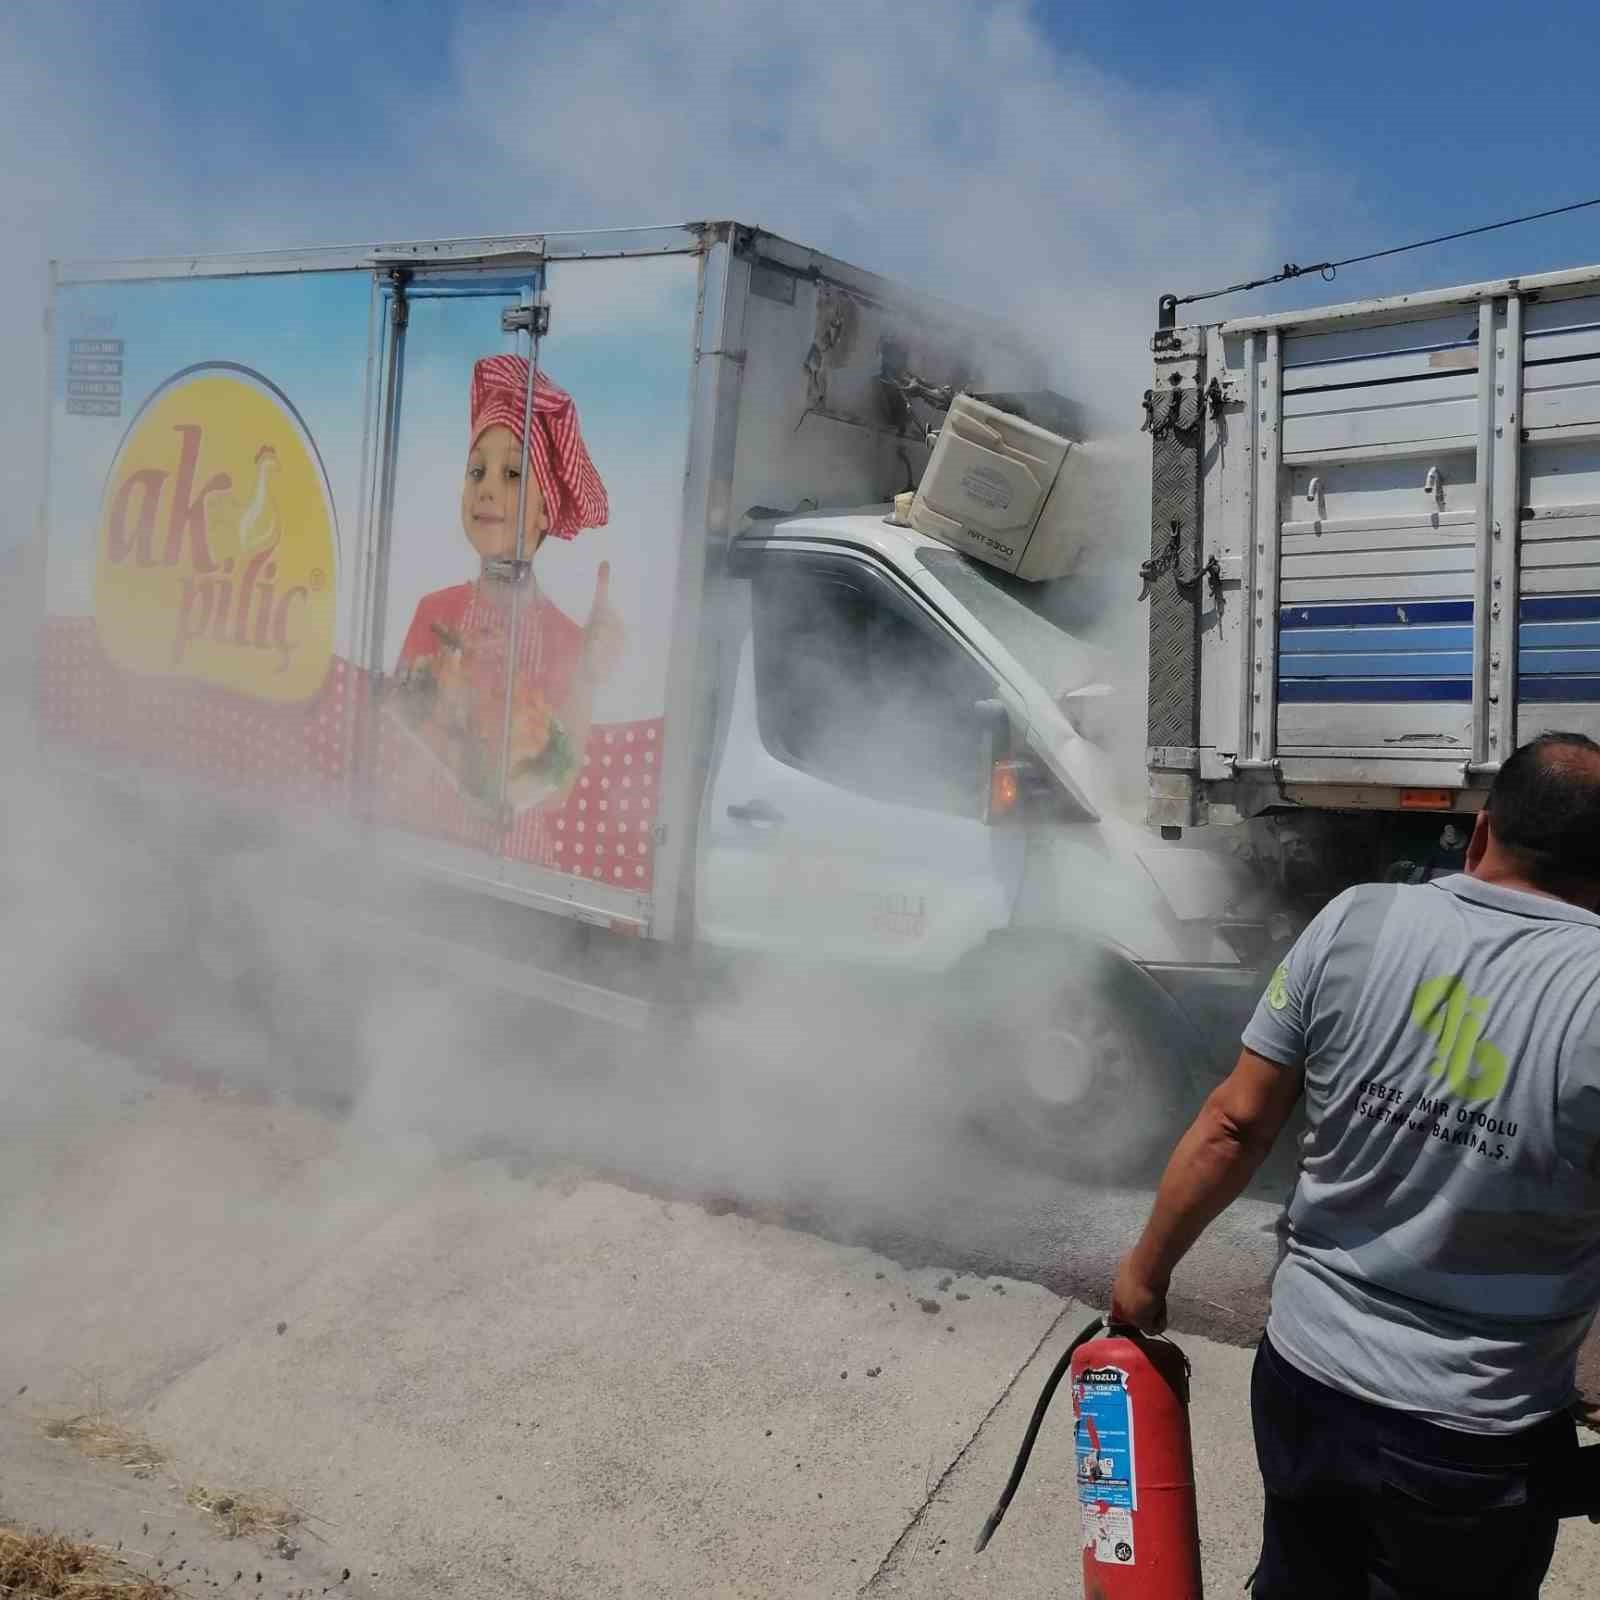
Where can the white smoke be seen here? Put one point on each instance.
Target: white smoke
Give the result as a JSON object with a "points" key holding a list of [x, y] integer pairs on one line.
{"points": [[959, 146], [956, 145]]}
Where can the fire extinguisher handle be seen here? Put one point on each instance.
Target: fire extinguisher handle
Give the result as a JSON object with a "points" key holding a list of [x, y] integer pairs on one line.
{"points": [[1160, 1349], [1041, 1405]]}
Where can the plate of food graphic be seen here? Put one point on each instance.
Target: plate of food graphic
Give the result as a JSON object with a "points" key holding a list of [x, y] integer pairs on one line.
{"points": [[451, 704]]}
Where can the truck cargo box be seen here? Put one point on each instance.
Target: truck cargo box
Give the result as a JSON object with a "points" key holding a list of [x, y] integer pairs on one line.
{"points": [[1375, 547], [260, 567]]}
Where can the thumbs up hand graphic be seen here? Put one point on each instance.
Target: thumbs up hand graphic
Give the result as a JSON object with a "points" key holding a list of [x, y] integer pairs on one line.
{"points": [[604, 636]]}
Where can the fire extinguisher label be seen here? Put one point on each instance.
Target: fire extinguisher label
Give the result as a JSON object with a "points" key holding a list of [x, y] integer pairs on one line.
{"points": [[1108, 1490]]}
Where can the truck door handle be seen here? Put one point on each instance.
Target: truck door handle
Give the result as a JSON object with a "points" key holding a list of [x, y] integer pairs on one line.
{"points": [[756, 813]]}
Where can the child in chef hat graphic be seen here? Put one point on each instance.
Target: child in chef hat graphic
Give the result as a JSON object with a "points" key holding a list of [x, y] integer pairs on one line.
{"points": [[453, 673]]}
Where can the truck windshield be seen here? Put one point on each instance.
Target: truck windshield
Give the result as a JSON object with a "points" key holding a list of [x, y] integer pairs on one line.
{"points": [[1056, 659]]}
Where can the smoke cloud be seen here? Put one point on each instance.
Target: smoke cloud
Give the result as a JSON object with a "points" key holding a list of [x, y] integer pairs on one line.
{"points": [[965, 151], [960, 148]]}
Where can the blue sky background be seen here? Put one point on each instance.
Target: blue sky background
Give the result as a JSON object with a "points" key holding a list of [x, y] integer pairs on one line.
{"points": [[1057, 164], [1422, 117]]}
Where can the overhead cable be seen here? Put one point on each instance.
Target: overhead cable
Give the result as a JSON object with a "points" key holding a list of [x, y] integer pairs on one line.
{"points": [[1328, 270]]}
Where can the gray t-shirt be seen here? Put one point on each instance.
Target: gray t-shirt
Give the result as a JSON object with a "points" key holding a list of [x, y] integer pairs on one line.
{"points": [[1442, 1244]]}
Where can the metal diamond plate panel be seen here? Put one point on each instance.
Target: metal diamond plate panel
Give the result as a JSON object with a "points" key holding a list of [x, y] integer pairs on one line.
{"points": [[1175, 555]]}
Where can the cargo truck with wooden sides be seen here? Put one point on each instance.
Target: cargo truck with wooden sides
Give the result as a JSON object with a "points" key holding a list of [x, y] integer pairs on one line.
{"points": [[1374, 570]]}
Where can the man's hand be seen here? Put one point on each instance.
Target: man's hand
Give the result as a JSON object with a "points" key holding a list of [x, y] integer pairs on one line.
{"points": [[1137, 1299]]}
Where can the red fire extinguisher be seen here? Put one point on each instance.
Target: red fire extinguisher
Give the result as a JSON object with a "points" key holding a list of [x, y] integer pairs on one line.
{"points": [[1135, 1464]]}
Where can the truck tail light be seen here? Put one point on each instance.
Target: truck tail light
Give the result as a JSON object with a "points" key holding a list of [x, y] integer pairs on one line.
{"points": [[1426, 800]]}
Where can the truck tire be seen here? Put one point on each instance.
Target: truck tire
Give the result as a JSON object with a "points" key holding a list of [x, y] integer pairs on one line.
{"points": [[1083, 1066]]}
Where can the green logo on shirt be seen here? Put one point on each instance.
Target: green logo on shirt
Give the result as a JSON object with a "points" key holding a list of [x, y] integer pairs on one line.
{"points": [[1278, 989], [1454, 1019]]}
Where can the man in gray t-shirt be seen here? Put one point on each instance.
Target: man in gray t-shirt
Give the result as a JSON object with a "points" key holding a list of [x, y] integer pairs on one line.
{"points": [[1442, 1245]]}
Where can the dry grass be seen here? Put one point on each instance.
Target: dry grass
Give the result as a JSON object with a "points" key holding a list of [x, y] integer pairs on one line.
{"points": [[46, 1566], [96, 1433], [251, 1515], [235, 1514]]}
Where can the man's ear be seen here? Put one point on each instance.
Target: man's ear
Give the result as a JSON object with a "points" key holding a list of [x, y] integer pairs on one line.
{"points": [[1478, 846]]}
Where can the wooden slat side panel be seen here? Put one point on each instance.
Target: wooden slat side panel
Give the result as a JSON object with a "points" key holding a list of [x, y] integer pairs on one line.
{"points": [[1386, 339], [1324, 726], [1544, 317], [1452, 421], [1317, 589]]}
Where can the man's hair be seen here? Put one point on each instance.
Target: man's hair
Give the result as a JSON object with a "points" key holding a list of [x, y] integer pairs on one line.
{"points": [[1545, 806]]}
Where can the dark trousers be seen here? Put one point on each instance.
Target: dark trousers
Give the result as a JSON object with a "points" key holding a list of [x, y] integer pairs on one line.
{"points": [[1366, 1503]]}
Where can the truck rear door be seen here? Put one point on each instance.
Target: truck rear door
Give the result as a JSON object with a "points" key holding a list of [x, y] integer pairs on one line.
{"points": [[521, 732], [1415, 502]]}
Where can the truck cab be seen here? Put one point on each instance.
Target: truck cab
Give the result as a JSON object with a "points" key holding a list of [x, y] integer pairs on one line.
{"points": [[916, 770]]}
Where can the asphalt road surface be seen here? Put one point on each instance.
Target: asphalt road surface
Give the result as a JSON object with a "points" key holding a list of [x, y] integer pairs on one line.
{"points": [[508, 1375], [797, 1101]]}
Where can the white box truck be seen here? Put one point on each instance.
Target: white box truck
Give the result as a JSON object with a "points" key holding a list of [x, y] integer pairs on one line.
{"points": [[530, 561], [1374, 571]]}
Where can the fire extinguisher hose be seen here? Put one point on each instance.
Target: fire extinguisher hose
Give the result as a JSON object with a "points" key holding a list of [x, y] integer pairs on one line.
{"points": [[1041, 1405]]}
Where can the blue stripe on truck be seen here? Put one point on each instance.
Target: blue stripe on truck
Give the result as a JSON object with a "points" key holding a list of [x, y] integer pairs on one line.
{"points": [[1394, 652], [1385, 664], [1559, 608], [1402, 612], [1531, 662], [1576, 688], [1411, 613], [1313, 641], [1346, 690]]}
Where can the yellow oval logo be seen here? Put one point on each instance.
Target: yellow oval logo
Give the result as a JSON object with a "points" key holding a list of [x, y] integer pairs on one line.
{"points": [[217, 543]]}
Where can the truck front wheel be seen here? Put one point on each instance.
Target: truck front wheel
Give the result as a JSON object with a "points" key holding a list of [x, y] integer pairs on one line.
{"points": [[1082, 1070]]}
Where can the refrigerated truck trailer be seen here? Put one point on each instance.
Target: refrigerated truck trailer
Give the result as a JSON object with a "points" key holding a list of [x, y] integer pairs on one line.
{"points": [[814, 733], [1374, 568]]}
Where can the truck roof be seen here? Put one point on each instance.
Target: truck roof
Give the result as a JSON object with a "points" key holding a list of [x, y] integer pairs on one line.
{"points": [[684, 238], [865, 526]]}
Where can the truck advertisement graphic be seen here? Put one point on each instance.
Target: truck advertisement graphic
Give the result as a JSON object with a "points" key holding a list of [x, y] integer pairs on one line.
{"points": [[200, 574], [286, 557]]}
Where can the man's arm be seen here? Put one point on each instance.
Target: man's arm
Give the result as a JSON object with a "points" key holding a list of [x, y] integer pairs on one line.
{"points": [[1213, 1162]]}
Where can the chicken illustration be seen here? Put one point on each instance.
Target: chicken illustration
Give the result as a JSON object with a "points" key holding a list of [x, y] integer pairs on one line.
{"points": [[541, 756], [453, 701], [258, 523]]}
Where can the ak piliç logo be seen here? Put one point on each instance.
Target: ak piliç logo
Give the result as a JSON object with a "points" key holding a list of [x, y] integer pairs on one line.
{"points": [[217, 543]]}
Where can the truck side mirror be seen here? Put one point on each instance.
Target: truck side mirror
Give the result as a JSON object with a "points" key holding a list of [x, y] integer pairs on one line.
{"points": [[1002, 791]]}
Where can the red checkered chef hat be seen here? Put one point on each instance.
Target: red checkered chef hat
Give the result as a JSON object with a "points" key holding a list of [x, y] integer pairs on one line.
{"points": [[574, 496]]}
